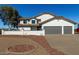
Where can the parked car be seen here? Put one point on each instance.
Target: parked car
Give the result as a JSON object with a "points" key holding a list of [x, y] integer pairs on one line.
{"points": [[0, 31], [77, 30]]}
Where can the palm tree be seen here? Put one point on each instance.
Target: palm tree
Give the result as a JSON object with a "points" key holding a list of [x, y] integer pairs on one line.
{"points": [[9, 16]]}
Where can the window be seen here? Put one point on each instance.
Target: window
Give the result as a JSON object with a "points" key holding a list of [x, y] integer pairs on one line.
{"points": [[25, 21], [33, 21]]}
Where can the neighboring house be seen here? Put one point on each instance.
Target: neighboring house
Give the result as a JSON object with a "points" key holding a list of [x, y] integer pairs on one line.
{"points": [[50, 23], [43, 24]]}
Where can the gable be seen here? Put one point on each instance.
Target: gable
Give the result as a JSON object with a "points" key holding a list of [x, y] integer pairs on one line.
{"points": [[58, 22], [45, 17]]}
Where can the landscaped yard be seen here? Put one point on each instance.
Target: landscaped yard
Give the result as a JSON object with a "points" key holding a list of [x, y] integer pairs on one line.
{"points": [[39, 45], [34, 45]]}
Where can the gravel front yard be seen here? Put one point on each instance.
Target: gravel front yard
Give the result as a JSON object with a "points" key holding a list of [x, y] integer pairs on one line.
{"points": [[28, 45], [50, 44]]}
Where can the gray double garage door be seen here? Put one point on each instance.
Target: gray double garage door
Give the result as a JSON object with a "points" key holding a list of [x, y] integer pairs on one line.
{"points": [[58, 29]]}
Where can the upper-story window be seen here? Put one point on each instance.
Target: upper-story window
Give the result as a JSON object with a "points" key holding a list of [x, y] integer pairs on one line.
{"points": [[25, 21], [33, 21]]}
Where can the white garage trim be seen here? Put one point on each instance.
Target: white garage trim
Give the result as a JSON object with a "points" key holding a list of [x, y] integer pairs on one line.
{"points": [[62, 30], [60, 22], [72, 29]]}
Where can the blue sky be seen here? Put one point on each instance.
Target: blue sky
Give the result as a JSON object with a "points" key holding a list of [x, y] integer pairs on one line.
{"points": [[70, 11]]}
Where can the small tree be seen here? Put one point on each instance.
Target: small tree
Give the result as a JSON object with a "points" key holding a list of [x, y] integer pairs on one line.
{"points": [[9, 16]]}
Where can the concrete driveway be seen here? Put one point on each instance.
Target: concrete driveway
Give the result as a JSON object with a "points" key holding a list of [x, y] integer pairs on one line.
{"points": [[69, 44]]}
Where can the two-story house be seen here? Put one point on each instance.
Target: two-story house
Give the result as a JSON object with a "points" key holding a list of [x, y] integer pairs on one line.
{"points": [[52, 24]]}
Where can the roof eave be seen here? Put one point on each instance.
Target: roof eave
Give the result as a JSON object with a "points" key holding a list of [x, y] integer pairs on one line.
{"points": [[58, 17]]}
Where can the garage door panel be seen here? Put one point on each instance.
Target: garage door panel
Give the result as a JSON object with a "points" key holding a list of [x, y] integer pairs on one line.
{"points": [[53, 30], [67, 29]]}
